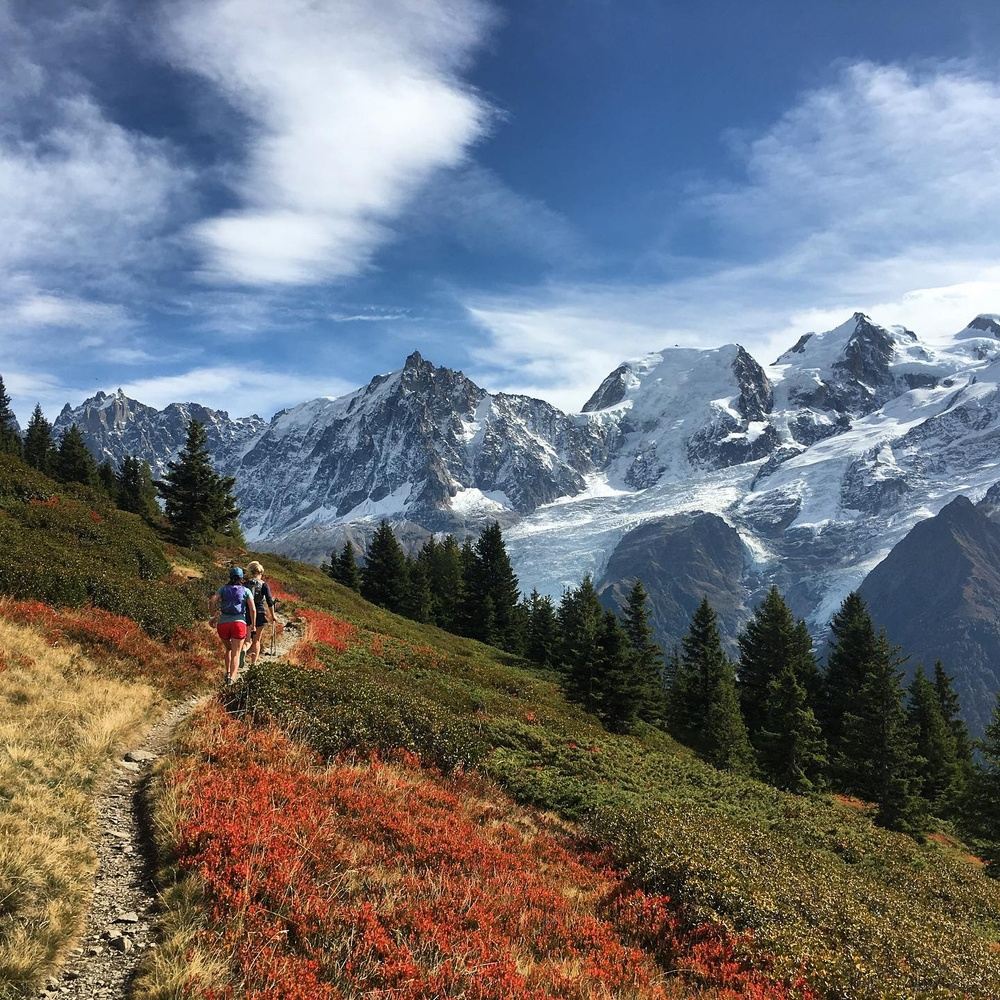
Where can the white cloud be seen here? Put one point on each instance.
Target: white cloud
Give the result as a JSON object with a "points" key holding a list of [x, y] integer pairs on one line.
{"points": [[350, 107], [240, 389], [38, 310], [877, 192]]}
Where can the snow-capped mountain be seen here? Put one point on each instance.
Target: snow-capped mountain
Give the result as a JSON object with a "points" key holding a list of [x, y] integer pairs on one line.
{"points": [[423, 443], [820, 462], [115, 426]]}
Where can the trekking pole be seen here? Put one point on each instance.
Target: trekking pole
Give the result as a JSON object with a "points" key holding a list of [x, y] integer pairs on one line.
{"points": [[273, 628]]}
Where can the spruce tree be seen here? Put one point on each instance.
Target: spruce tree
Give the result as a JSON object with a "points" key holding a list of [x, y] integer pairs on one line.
{"points": [[647, 653], [770, 641], [877, 754], [74, 463], [446, 583], [791, 745], [621, 692], [39, 447], [348, 573], [940, 772], [951, 712], [384, 577], [985, 790], [496, 580], [542, 635], [580, 620], [470, 613], [107, 479], [10, 439], [852, 649], [704, 705], [197, 500], [136, 489], [417, 597]]}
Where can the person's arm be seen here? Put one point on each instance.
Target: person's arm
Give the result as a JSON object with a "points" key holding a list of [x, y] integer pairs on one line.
{"points": [[213, 606], [251, 609], [269, 603]]}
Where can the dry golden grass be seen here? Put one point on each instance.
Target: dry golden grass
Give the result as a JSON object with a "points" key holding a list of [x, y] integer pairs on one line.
{"points": [[61, 721]]}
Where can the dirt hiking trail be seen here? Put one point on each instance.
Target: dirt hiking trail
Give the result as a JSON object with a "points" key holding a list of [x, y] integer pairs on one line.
{"points": [[119, 928]]}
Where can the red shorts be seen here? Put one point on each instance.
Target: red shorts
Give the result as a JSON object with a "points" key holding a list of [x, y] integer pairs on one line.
{"points": [[231, 630]]}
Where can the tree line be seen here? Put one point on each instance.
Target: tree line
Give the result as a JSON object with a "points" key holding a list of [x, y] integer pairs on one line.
{"points": [[772, 712]]}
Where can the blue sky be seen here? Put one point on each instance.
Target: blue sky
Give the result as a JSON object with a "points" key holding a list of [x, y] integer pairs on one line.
{"points": [[253, 202]]}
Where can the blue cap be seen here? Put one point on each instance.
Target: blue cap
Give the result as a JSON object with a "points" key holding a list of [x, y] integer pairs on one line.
{"points": [[236, 573]]}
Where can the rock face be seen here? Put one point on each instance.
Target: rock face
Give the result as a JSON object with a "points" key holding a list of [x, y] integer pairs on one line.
{"points": [[937, 594], [115, 426], [681, 559]]}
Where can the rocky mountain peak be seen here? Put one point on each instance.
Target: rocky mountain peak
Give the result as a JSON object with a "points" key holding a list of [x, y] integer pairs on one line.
{"points": [[986, 324], [611, 391]]}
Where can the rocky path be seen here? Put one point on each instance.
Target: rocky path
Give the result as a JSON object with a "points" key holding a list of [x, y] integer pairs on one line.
{"points": [[119, 925]]}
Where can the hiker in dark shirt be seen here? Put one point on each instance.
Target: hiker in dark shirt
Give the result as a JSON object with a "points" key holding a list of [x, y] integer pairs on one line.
{"points": [[233, 609], [263, 606]]}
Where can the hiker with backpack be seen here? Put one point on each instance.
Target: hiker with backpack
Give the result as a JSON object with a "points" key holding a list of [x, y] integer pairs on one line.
{"points": [[263, 606], [232, 609]]}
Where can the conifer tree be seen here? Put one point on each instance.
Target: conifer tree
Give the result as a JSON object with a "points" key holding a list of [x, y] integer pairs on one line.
{"points": [[136, 489], [542, 633], [197, 500], [770, 641], [985, 789], [496, 580], [107, 479], [470, 614], [446, 583], [580, 620], [877, 756], [791, 744], [347, 568], [417, 597], [384, 577], [10, 439], [648, 655], [951, 712], [704, 705], [621, 690], [39, 447], [852, 649], [940, 772], [74, 463]]}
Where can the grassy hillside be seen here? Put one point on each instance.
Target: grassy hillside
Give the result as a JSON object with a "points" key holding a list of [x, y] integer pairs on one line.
{"points": [[77, 681], [803, 885], [339, 813]]}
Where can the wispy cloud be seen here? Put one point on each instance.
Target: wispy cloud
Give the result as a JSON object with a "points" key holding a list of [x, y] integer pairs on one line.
{"points": [[240, 390], [350, 108], [876, 192]]}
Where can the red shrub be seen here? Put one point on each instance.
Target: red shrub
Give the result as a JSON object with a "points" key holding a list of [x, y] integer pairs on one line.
{"points": [[391, 882], [322, 629]]}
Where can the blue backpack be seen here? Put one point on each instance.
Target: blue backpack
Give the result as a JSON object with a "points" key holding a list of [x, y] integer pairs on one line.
{"points": [[233, 599]]}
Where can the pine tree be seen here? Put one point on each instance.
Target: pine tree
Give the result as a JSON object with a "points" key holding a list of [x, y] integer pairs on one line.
{"points": [[384, 577], [197, 500], [107, 479], [446, 583], [10, 439], [470, 617], [580, 620], [39, 447], [769, 642], [941, 774], [877, 756], [136, 489], [621, 692], [851, 651], [542, 633], [348, 573], [417, 597], [648, 655], [791, 744], [74, 463], [704, 705], [496, 580], [985, 790], [951, 712]]}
